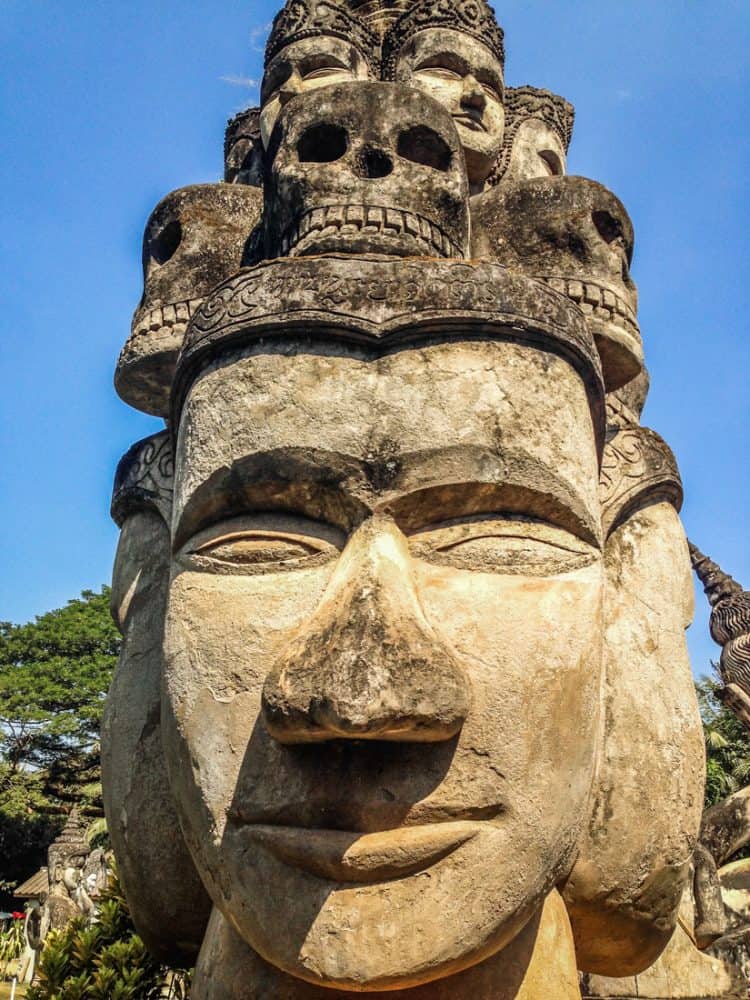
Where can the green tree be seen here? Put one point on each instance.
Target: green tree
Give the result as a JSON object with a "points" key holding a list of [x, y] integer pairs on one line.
{"points": [[101, 961], [727, 744], [54, 675]]}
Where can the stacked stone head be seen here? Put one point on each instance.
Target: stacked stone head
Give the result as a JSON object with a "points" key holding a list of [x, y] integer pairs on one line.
{"points": [[395, 579]]}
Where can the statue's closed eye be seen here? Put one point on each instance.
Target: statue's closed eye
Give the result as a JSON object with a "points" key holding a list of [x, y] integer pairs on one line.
{"points": [[263, 543], [254, 547], [502, 544]]}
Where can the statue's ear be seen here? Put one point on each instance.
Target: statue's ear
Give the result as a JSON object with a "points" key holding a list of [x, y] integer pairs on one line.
{"points": [[169, 906], [634, 859]]}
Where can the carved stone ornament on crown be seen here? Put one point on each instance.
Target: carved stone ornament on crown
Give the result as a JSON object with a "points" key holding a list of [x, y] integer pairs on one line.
{"points": [[577, 236], [637, 463], [525, 104], [309, 18], [196, 237], [365, 167], [383, 302], [473, 17], [144, 478]]}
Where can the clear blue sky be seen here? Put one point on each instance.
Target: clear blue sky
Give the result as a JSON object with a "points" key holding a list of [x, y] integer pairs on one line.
{"points": [[105, 107]]}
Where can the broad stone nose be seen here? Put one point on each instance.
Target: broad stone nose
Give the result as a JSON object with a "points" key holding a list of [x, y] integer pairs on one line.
{"points": [[472, 94], [367, 665]]}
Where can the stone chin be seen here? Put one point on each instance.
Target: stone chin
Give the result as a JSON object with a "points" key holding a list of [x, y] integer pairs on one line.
{"points": [[387, 934], [313, 903]]}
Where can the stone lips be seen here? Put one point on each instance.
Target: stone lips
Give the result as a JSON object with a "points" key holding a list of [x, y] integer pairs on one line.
{"points": [[637, 463], [382, 303]]}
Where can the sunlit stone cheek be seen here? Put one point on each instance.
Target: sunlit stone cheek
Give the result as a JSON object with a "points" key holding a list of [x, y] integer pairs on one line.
{"points": [[222, 634], [531, 645], [537, 152]]}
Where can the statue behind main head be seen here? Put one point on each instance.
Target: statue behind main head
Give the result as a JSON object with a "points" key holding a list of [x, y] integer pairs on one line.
{"points": [[403, 585]]}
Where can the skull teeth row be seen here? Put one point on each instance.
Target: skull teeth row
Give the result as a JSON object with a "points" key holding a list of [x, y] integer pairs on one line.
{"points": [[370, 219], [595, 300], [177, 314]]}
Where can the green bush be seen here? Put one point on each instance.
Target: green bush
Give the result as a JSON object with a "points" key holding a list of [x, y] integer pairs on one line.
{"points": [[101, 961]]}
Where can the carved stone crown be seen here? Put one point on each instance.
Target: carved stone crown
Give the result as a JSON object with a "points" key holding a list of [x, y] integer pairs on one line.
{"points": [[244, 125], [309, 18], [473, 17], [524, 103]]}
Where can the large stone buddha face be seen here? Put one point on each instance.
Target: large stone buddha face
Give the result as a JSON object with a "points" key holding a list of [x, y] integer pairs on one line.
{"points": [[467, 78], [383, 647], [304, 65]]}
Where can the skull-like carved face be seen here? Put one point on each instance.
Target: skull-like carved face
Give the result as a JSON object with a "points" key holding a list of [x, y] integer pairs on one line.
{"points": [[195, 238], [366, 168], [576, 235]]}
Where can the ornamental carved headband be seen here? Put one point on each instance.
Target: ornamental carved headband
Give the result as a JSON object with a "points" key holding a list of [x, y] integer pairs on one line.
{"points": [[309, 18], [525, 103], [472, 17]]}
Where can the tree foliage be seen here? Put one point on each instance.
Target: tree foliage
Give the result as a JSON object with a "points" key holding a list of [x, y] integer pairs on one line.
{"points": [[101, 961], [727, 745], [54, 674]]}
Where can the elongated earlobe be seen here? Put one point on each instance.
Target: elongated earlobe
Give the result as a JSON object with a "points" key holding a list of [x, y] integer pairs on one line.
{"points": [[634, 860], [169, 906]]}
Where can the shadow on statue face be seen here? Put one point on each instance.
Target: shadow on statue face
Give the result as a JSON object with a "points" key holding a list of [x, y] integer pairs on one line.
{"points": [[463, 75], [304, 65], [383, 643]]}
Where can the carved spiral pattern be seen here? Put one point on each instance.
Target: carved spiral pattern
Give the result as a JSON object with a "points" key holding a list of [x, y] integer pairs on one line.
{"points": [[144, 478], [730, 619], [636, 463]]}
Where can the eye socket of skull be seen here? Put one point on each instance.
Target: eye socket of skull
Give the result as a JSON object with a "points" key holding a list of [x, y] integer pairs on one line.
{"points": [[366, 167], [323, 143], [421, 144], [161, 247], [575, 235]]}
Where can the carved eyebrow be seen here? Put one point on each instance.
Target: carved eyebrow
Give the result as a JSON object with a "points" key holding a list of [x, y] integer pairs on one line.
{"points": [[458, 481], [321, 485], [416, 489], [455, 61], [443, 59], [282, 67]]}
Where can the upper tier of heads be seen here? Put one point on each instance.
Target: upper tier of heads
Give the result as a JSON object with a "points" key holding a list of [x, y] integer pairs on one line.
{"points": [[452, 51]]}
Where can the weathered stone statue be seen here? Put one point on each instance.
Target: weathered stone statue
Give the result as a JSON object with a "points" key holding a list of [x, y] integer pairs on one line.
{"points": [[403, 585]]}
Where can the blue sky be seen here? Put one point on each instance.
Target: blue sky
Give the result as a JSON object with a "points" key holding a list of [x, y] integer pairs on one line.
{"points": [[106, 107]]}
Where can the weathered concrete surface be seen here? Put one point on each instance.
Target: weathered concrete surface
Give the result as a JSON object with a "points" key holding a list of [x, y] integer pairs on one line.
{"points": [[168, 903], [194, 238], [536, 965], [576, 235], [634, 864]]}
